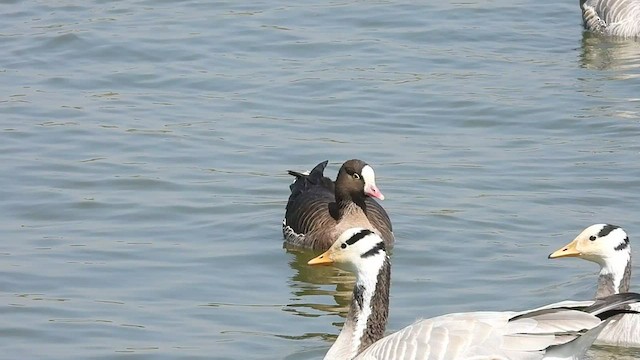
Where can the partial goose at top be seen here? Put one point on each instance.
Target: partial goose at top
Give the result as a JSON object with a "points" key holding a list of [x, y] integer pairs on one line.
{"points": [[608, 246], [547, 333], [612, 17], [319, 210]]}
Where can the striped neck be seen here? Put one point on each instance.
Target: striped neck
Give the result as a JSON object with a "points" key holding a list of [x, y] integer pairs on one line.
{"points": [[615, 275], [367, 317]]}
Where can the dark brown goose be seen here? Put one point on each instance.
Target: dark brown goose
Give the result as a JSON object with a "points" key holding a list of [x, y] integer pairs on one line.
{"points": [[319, 210]]}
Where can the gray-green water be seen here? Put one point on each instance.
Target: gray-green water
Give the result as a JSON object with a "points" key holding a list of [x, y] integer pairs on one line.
{"points": [[144, 148]]}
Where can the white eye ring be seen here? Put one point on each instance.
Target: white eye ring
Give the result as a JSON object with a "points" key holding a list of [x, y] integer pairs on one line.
{"points": [[356, 176]]}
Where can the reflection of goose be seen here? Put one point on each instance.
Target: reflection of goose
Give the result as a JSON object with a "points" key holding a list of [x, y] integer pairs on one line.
{"points": [[604, 53], [307, 282], [551, 333], [608, 246], [319, 210], [612, 17]]}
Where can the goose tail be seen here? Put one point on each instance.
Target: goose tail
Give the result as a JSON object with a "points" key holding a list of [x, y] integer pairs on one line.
{"points": [[576, 348], [605, 308], [317, 171], [305, 179]]}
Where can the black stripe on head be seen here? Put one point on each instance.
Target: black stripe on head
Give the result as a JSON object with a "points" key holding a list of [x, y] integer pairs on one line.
{"points": [[358, 236], [607, 229], [375, 250], [623, 245]]}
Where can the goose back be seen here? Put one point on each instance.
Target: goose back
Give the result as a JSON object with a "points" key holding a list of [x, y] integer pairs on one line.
{"points": [[612, 17]]}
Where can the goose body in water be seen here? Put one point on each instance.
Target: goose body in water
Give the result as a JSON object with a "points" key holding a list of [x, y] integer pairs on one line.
{"points": [[612, 17], [550, 333], [608, 246], [319, 210]]}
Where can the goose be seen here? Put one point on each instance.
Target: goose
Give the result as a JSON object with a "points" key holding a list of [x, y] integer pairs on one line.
{"points": [[319, 210], [550, 333], [608, 246], [612, 17]]}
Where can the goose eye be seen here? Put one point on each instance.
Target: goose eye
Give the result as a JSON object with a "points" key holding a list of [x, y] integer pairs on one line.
{"points": [[344, 246], [592, 238], [356, 176]]}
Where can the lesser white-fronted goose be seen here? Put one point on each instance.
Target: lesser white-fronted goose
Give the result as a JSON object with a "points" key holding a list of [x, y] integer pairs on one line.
{"points": [[319, 210], [549, 333], [612, 17], [608, 246]]}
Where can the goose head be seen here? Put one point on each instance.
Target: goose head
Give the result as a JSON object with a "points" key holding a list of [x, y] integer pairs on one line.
{"points": [[608, 246], [356, 178], [604, 244], [357, 250]]}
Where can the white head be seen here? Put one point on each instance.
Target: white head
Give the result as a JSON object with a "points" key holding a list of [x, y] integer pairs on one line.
{"points": [[357, 250], [370, 188], [605, 244]]}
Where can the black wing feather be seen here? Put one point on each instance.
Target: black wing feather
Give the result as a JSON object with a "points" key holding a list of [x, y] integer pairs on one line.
{"points": [[309, 199]]}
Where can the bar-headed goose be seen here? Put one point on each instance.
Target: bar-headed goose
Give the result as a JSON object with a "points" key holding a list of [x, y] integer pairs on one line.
{"points": [[612, 17], [608, 246], [551, 333], [319, 210]]}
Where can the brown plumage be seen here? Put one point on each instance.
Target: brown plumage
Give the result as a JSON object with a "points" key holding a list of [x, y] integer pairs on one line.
{"points": [[319, 210]]}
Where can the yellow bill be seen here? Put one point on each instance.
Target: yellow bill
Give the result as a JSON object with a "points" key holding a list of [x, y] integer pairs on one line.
{"points": [[322, 259], [569, 250]]}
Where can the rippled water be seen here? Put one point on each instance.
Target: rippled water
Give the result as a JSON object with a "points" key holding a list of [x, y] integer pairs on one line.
{"points": [[144, 147]]}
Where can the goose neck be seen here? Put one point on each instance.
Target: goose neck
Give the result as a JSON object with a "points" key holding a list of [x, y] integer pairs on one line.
{"points": [[368, 314], [346, 200], [615, 276]]}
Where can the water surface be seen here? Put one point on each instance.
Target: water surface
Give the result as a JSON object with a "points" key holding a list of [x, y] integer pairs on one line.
{"points": [[145, 145]]}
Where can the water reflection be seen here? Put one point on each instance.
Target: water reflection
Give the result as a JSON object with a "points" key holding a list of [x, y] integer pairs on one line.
{"points": [[598, 352], [308, 281], [317, 291], [617, 61], [606, 53]]}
